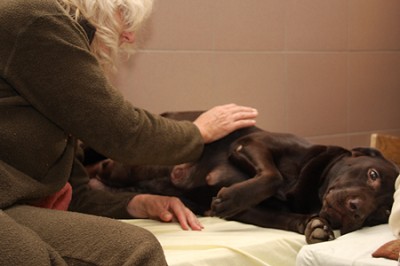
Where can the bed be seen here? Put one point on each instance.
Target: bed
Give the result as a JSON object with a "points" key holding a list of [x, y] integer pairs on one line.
{"points": [[233, 243]]}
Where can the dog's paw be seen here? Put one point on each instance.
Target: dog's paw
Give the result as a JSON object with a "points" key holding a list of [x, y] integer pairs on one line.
{"points": [[318, 230], [225, 205]]}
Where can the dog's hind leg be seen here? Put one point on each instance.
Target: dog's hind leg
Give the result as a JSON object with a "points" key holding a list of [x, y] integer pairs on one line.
{"points": [[251, 155]]}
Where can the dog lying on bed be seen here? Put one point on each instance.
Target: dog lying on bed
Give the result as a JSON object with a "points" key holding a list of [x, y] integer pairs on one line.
{"points": [[271, 180]]}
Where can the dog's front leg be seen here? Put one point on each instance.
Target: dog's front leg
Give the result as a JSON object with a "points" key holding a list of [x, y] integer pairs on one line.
{"points": [[313, 227]]}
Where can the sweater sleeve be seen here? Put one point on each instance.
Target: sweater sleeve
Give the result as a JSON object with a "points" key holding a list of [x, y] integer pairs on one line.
{"points": [[97, 202], [52, 67]]}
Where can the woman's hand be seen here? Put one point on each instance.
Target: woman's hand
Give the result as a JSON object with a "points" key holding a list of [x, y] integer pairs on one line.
{"points": [[222, 120], [164, 208]]}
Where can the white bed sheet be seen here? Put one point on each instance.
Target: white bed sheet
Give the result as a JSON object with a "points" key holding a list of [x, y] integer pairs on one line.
{"points": [[353, 249], [224, 243]]}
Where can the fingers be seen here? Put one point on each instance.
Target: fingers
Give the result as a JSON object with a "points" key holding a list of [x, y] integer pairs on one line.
{"points": [[238, 124], [222, 120], [241, 117], [166, 216], [194, 223], [245, 113], [164, 208], [237, 108], [233, 111], [186, 218]]}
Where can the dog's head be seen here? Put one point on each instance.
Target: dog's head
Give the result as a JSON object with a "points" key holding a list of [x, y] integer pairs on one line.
{"points": [[358, 190]]}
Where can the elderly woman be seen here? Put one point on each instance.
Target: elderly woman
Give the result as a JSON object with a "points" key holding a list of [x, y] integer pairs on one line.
{"points": [[54, 91]]}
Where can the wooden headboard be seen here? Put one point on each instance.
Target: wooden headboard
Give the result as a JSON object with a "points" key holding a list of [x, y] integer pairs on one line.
{"points": [[389, 145]]}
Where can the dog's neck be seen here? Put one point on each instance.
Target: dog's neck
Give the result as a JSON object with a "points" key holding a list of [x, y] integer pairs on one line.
{"points": [[326, 175], [317, 163]]}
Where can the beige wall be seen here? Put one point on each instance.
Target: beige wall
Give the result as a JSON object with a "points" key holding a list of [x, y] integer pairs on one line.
{"points": [[325, 70]]}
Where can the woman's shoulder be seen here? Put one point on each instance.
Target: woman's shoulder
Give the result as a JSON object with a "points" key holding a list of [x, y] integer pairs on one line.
{"points": [[17, 13]]}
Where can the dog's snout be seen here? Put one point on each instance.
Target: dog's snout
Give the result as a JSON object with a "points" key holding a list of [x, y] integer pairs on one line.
{"points": [[354, 204]]}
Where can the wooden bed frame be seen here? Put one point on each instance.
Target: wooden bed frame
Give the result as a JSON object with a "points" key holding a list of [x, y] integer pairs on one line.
{"points": [[389, 145]]}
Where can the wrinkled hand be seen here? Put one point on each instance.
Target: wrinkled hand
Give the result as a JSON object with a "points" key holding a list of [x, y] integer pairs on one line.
{"points": [[164, 208], [222, 120]]}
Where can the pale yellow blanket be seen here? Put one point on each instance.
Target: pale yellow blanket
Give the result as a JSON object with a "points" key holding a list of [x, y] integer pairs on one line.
{"points": [[224, 243]]}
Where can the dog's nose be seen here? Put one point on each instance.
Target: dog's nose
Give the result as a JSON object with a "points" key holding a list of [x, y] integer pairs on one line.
{"points": [[354, 204]]}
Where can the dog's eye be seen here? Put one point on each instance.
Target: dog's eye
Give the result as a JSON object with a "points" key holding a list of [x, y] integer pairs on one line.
{"points": [[373, 174]]}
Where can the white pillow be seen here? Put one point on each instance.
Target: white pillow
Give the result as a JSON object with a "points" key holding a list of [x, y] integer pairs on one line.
{"points": [[394, 219]]}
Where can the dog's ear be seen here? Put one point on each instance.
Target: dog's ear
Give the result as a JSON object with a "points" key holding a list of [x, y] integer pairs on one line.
{"points": [[366, 151]]}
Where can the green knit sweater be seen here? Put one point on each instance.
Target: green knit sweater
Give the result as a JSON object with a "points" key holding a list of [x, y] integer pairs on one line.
{"points": [[53, 92]]}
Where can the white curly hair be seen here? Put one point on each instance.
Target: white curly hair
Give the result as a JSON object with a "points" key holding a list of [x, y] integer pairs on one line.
{"points": [[110, 18]]}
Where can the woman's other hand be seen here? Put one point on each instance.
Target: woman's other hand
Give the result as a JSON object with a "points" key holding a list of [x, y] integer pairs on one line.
{"points": [[164, 208], [224, 119]]}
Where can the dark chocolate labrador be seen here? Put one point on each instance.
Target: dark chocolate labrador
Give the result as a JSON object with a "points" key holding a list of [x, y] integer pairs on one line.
{"points": [[271, 180]]}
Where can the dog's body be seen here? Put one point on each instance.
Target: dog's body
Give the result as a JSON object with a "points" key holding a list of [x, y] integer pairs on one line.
{"points": [[273, 180]]}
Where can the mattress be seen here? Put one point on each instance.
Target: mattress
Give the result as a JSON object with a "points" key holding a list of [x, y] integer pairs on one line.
{"points": [[353, 249], [224, 243]]}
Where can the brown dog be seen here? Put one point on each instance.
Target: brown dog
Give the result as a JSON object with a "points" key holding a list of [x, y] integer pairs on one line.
{"points": [[272, 180]]}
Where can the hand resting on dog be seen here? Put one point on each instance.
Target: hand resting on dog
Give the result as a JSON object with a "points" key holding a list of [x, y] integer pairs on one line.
{"points": [[224, 119], [213, 125]]}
